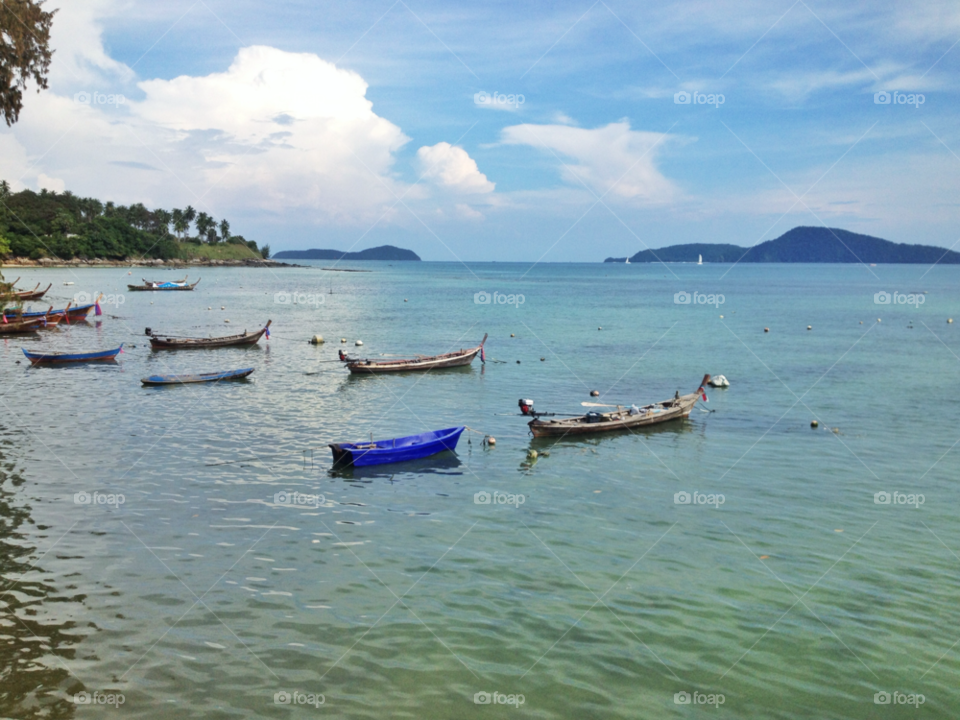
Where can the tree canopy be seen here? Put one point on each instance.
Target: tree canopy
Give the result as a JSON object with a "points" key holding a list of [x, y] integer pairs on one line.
{"points": [[24, 52]]}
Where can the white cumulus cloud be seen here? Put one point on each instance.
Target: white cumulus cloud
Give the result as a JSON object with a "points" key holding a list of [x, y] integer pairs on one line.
{"points": [[452, 168], [612, 159]]}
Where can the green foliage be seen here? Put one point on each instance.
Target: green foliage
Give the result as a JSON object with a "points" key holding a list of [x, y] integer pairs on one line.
{"points": [[24, 52], [64, 226], [264, 252]]}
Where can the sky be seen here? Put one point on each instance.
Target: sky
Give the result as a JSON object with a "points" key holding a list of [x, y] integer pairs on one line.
{"points": [[561, 132]]}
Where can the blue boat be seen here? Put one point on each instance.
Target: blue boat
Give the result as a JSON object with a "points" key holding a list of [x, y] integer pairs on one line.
{"points": [[78, 312], [381, 452], [48, 358], [196, 378]]}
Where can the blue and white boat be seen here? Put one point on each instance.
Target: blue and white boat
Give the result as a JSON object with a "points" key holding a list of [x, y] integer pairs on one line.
{"points": [[196, 377], [394, 450]]}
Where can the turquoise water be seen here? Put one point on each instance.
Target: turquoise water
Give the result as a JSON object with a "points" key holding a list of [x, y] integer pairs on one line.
{"points": [[395, 594]]}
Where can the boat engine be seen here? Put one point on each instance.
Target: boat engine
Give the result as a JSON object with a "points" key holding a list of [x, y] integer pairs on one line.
{"points": [[526, 406], [147, 332]]}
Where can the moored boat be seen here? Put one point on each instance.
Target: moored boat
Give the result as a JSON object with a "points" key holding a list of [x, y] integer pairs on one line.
{"points": [[51, 358], [164, 282], [34, 294], [163, 286], [623, 418], [167, 342], [196, 377], [421, 362], [72, 313], [393, 450]]}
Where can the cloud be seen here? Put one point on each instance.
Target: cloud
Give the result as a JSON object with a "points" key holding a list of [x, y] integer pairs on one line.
{"points": [[613, 159], [451, 168]]}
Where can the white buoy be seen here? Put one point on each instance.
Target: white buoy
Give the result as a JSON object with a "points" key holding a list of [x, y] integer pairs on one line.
{"points": [[358, 343], [226, 321], [719, 381], [343, 340], [317, 340]]}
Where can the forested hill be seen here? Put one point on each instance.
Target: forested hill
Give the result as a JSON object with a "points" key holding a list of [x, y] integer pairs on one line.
{"points": [[804, 245], [384, 252], [63, 225]]}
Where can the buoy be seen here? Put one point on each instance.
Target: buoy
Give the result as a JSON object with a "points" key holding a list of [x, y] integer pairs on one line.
{"points": [[209, 308], [512, 335], [316, 340], [594, 393], [532, 454], [491, 441], [518, 362], [814, 423], [949, 321], [223, 307], [130, 273], [343, 340], [861, 322], [721, 317], [599, 328], [719, 381], [404, 299], [358, 343], [878, 319], [543, 359], [226, 321], [836, 431], [809, 327], [766, 329]]}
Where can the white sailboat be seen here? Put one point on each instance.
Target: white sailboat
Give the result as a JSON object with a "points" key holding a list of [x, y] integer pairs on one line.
{"points": [[628, 261], [700, 261]]}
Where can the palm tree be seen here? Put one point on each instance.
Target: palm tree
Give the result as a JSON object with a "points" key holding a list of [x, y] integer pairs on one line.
{"points": [[179, 224], [161, 219], [189, 214], [225, 230], [204, 223]]}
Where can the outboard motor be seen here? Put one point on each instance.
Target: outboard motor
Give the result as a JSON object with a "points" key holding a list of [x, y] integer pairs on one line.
{"points": [[343, 356], [147, 332], [526, 406]]}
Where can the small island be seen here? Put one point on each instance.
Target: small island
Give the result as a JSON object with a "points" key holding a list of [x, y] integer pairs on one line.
{"points": [[803, 245], [384, 252]]}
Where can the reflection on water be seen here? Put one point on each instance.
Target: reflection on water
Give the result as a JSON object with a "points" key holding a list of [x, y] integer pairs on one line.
{"points": [[36, 643], [446, 463]]}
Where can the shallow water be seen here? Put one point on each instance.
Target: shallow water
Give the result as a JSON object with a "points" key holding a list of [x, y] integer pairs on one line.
{"points": [[395, 594]]}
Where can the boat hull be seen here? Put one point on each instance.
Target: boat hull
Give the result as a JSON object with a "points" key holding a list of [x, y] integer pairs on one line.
{"points": [[76, 313], [677, 408], [395, 450], [150, 288], [243, 340], [196, 378], [434, 362], [62, 358]]}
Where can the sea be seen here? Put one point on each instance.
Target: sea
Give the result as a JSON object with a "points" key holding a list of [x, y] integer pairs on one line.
{"points": [[190, 552]]}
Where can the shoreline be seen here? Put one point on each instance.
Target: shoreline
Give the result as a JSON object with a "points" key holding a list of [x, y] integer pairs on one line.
{"points": [[152, 263]]}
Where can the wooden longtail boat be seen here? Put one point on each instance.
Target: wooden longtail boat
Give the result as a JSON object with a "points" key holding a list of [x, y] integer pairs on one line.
{"points": [[36, 321], [196, 378], [162, 282], [48, 358], [184, 343], [622, 418], [421, 362], [163, 286], [73, 313], [381, 452], [32, 294]]}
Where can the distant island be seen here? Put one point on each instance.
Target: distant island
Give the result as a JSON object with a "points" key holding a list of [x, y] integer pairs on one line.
{"points": [[384, 252], [803, 245]]}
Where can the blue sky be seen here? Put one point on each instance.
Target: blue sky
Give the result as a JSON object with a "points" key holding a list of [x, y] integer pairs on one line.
{"points": [[356, 124]]}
